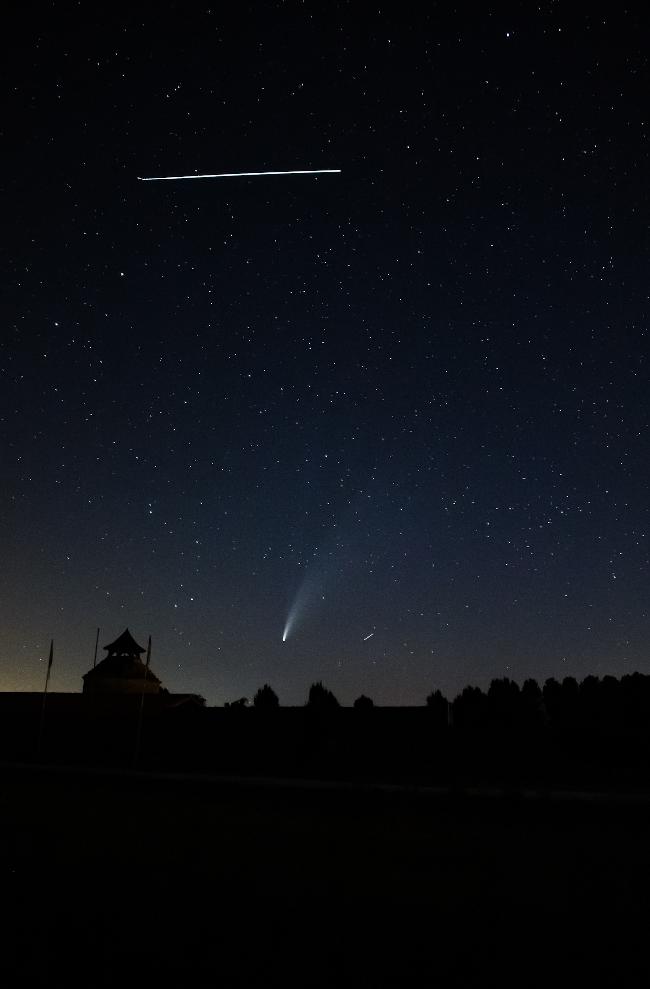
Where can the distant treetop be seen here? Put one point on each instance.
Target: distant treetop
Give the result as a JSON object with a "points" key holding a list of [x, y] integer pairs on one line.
{"points": [[321, 698], [266, 698]]}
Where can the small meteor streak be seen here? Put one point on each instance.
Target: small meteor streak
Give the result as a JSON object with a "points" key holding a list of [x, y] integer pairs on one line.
{"points": [[366, 637], [237, 175]]}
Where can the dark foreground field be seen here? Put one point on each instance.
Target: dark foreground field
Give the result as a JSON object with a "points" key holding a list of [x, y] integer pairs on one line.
{"points": [[120, 881]]}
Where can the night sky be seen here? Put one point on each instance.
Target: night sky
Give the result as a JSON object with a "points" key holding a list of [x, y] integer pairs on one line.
{"points": [[408, 400]]}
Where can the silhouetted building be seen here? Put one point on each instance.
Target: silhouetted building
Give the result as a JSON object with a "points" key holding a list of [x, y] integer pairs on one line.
{"points": [[122, 699], [122, 671]]}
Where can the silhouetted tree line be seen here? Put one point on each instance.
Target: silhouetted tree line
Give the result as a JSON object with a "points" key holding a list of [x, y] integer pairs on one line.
{"points": [[596, 732], [591, 732], [607, 706]]}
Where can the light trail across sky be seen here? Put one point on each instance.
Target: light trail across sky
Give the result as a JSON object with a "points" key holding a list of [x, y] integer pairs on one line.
{"points": [[236, 175]]}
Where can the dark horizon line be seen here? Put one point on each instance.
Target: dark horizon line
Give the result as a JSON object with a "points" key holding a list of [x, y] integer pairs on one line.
{"points": [[436, 693]]}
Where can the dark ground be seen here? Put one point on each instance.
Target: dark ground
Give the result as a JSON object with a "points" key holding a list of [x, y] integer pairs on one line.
{"points": [[124, 880]]}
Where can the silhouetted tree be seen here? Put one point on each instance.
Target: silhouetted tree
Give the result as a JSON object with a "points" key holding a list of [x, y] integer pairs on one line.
{"points": [[611, 711], [364, 703], [588, 706], [531, 693], [504, 703], [570, 693], [321, 698], [470, 709], [609, 685], [439, 707], [532, 705], [635, 703], [550, 688], [552, 694], [266, 699]]}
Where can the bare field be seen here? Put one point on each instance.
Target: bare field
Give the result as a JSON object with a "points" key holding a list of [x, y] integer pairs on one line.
{"points": [[119, 881]]}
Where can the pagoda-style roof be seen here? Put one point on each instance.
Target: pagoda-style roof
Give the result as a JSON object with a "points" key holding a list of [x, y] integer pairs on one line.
{"points": [[122, 670], [124, 645]]}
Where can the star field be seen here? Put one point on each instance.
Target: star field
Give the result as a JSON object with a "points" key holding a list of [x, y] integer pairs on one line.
{"points": [[413, 395]]}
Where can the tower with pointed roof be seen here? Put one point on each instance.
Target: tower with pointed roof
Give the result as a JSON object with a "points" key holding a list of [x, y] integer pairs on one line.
{"points": [[122, 671]]}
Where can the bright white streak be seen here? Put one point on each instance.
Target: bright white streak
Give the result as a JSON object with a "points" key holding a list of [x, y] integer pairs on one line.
{"points": [[366, 637], [236, 175], [300, 601]]}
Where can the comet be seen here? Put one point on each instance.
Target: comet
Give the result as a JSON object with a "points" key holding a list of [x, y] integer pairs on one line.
{"points": [[238, 175], [288, 625]]}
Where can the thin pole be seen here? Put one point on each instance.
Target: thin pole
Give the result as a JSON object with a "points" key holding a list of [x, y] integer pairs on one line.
{"points": [[96, 644], [138, 737], [47, 680]]}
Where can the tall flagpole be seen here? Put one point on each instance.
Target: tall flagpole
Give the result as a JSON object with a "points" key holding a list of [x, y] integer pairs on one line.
{"points": [[47, 680], [96, 644], [136, 751]]}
